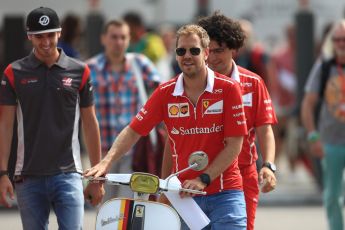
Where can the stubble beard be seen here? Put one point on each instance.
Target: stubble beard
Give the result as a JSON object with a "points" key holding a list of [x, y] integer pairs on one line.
{"points": [[190, 73], [340, 53]]}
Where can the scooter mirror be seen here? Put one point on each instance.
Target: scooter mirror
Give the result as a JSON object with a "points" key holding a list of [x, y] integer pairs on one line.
{"points": [[200, 158]]}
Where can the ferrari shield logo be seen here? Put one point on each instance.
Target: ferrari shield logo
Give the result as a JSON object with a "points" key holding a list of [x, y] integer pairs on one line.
{"points": [[205, 103], [139, 211]]}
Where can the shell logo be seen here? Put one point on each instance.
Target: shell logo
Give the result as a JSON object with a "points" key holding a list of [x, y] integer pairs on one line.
{"points": [[173, 110]]}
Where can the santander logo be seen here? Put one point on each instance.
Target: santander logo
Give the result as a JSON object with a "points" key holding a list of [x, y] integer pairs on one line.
{"points": [[197, 130]]}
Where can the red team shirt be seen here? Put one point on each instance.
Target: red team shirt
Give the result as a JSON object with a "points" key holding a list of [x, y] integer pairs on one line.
{"points": [[257, 107], [201, 127]]}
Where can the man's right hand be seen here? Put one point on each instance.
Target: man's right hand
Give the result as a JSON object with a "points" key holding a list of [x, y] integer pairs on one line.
{"points": [[316, 149], [6, 187]]}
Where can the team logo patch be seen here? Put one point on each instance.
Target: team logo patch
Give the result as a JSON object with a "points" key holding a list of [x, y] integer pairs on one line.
{"points": [[212, 106], [248, 99], [173, 110], [178, 110], [44, 20], [218, 91], [247, 84], [29, 80], [205, 103], [67, 81], [184, 109]]}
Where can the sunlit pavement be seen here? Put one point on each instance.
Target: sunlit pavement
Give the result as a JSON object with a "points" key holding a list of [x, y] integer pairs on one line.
{"points": [[282, 218], [294, 205]]}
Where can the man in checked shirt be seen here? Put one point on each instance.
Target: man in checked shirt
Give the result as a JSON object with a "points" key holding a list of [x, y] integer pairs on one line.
{"points": [[116, 93]]}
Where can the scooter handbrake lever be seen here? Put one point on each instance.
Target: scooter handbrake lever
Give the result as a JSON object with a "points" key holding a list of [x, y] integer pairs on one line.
{"points": [[91, 178], [193, 191]]}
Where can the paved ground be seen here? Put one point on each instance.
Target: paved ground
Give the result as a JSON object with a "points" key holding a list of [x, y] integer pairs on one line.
{"points": [[282, 218], [294, 205]]}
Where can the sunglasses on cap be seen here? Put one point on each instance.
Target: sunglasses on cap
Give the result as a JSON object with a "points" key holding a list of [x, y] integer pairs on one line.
{"points": [[182, 51]]}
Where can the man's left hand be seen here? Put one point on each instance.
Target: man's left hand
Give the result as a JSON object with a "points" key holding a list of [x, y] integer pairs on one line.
{"points": [[267, 179]]}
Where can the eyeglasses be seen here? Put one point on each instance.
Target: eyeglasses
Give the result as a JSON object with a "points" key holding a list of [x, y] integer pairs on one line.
{"points": [[182, 51], [338, 39]]}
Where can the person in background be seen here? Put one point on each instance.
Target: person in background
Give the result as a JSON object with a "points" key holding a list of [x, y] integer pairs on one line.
{"points": [[252, 54], [49, 93], [326, 135], [283, 86], [191, 106], [142, 41], [70, 35], [167, 65], [116, 91]]}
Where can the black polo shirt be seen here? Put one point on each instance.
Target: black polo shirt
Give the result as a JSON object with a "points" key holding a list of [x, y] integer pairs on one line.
{"points": [[48, 104]]}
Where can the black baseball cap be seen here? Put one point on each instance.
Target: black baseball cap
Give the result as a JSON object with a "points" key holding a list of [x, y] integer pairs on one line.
{"points": [[42, 20]]}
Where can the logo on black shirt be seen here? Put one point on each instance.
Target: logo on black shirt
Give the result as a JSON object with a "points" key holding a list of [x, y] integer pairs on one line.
{"points": [[67, 81], [26, 81]]}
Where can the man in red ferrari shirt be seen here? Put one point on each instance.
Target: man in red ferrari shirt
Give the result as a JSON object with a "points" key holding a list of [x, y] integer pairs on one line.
{"points": [[226, 37], [191, 106]]}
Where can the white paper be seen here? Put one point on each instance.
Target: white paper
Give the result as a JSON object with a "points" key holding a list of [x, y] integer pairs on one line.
{"points": [[188, 209]]}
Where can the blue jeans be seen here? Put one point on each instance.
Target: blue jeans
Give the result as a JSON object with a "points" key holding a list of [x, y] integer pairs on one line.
{"points": [[333, 165], [63, 192], [226, 210]]}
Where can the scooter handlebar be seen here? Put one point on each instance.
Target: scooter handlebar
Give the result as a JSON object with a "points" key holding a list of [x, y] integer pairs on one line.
{"points": [[112, 178], [124, 179]]}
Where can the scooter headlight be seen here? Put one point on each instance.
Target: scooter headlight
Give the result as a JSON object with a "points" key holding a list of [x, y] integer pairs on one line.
{"points": [[144, 183]]}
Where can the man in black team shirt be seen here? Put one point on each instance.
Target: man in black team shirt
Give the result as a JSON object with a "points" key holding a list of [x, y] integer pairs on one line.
{"points": [[49, 92]]}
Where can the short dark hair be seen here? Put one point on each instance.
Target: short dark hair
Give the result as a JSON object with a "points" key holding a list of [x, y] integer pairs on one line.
{"points": [[117, 23], [133, 18], [223, 30], [70, 28]]}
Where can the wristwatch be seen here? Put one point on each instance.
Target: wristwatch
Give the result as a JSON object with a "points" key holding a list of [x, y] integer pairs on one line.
{"points": [[271, 166], [3, 173], [205, 178]]}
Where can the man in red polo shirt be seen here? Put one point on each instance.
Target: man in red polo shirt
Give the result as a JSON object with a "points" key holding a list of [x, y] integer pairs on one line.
{"points": [[226, 37], [191, 106]]}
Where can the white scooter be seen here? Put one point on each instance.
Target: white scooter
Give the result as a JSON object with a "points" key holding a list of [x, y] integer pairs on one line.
{"points": [[139, 213]]}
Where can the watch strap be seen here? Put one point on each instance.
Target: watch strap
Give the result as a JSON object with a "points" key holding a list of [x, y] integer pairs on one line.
{"points": [[3, 173], [205, 178], [270, 166]]}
